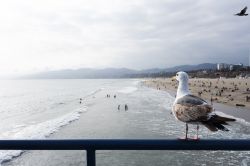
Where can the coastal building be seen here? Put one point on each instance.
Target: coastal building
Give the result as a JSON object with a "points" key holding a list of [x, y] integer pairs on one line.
{"points": [[231, 67], [204, 72], [235, 66], [222, 66]]}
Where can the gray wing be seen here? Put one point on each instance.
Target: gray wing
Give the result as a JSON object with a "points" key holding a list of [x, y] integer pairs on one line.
{"points": [[190, 100]]}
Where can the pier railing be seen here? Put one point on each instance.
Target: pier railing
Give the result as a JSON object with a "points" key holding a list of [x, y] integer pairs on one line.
{"points": [[92, 145]]}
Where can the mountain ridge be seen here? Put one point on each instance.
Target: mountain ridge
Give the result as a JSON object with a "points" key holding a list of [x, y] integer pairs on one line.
{"points": [[89, 73]]}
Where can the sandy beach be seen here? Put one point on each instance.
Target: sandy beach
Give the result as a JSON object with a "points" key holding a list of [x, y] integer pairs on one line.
{"points": [[232, 92]]}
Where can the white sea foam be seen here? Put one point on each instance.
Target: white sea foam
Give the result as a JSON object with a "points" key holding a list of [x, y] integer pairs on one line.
{"points": [[94, 92], [128, 89], [168, 105], [38, 131], [245, 162], [169, 100], [136, 82]]}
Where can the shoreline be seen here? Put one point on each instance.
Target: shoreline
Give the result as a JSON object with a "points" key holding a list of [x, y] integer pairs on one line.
{"points": [[229, 109]]}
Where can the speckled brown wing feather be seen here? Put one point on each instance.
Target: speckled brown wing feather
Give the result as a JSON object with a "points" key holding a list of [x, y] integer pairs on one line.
{"points": [[192, 113]]}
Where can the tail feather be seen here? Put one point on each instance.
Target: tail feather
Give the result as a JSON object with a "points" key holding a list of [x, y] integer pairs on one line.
{"points": [[210, 126], [216, 122], [220, 118]]}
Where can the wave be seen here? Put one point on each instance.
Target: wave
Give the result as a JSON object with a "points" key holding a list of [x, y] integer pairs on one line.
{"points": [[128, 89], [93, 92], [38, 131]]}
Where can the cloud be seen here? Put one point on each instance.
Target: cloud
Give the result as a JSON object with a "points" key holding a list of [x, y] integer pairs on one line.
{"points": [[136, 34]]}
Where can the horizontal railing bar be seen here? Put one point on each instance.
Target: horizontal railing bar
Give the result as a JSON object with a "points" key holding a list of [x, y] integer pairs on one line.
{"points": [[125, 144]]}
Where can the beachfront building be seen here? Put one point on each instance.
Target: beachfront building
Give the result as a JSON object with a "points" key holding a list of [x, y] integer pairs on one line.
{"points": [[235, 66], [231, 67], [222, 66]]}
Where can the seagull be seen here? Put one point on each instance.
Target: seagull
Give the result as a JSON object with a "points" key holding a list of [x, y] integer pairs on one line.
{"points": [[242, 12], [191, 109]]}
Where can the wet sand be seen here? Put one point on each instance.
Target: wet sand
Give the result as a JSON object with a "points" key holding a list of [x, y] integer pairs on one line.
{"points": [[230, 92]]}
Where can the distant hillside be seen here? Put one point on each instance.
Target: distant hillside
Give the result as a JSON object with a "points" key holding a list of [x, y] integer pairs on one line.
{"points": [[114, 72], [82, 73], [203, 66]]}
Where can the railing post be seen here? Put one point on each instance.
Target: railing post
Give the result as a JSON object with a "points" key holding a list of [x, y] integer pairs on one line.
{"points": [[90, 157]]}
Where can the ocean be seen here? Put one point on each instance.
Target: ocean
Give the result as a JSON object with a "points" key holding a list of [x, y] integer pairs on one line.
{"points": [[41, 109]]}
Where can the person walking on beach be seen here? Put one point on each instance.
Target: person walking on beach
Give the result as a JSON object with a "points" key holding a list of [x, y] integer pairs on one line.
{"points": [[114, 96], [80, 101], [118, 107], [126, 107]]}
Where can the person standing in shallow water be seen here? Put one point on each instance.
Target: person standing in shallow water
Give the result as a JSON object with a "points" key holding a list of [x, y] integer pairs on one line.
{"points": [[126, 107]]}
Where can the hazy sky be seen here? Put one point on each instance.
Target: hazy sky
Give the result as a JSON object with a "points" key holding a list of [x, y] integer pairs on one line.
{"points": [[55, 34]]}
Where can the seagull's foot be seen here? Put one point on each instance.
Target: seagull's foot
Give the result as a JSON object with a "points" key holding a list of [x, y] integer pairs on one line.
{"points": [[196, 138], [189, 139], [183, 138]]}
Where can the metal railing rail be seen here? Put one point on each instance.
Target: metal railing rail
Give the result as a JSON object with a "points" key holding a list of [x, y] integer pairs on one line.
{"points": [[92, 145]]}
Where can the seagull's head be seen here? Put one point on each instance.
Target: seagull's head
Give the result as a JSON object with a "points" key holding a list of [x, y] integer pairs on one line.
{"points": [[182, 76]]}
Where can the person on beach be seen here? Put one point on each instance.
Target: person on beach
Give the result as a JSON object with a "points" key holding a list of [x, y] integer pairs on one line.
{"points": [[118, 107], [126, 107], [114, 96], [80, 101]]}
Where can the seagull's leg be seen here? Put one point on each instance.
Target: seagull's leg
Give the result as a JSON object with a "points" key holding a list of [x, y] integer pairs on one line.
{"points": [[186, 134], [197, 132], [186, 137]]}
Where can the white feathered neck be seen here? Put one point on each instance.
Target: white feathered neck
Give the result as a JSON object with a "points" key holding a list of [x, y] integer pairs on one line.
{"points": [[183, 88]]}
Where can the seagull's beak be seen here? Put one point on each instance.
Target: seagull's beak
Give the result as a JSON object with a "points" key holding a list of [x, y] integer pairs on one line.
{"points": [[173, 78]]}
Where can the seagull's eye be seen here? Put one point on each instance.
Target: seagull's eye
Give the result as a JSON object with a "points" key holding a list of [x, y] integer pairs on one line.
{"points": [[177, 74]]}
